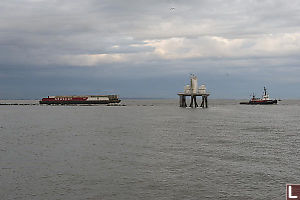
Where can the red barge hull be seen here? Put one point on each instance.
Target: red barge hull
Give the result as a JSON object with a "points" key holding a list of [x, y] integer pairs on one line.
{"points": [[90, 99]]}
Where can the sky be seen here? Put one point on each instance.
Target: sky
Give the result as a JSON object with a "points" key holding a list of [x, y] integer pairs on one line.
{"points": [[148, 49]]}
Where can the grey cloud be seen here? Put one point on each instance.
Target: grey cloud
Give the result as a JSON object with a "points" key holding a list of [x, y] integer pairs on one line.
{"points": [[36, 34]]}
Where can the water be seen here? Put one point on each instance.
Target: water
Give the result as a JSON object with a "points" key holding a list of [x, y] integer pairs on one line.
{"points": [[150, 149]]}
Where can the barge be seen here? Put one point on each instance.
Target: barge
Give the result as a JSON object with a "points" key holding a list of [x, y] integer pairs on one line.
{"points": [[88, 99]]}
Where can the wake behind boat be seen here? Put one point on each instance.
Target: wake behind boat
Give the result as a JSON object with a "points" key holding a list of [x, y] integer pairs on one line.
{"points": [[264, 100]]}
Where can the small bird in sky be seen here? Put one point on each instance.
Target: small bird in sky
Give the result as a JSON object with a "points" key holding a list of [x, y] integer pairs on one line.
{"points": [[172, 8]]}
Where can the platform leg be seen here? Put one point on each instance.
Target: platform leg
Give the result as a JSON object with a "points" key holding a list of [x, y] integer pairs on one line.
{"points": [[192, 99], [195, 101], [181, 101], [184, 102], [202, 103]]}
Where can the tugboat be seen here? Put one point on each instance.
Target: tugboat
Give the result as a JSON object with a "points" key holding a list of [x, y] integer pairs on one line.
{"points": [[264, 100]]}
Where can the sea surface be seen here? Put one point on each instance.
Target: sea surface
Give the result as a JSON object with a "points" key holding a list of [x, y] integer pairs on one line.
{"points": [[149, 149]]}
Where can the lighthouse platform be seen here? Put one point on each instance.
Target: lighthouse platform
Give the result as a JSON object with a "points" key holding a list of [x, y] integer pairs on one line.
{"points": [[193, 101]]}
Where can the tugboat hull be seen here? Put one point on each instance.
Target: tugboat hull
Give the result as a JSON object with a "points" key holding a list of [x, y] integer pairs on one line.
{"points": [[266, 102]]}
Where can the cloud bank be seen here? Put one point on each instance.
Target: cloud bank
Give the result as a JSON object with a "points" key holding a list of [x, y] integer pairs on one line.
{"points": [[252, 40]]}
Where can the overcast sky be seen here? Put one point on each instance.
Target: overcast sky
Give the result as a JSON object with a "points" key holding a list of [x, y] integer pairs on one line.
{"points": [[139, 48]]}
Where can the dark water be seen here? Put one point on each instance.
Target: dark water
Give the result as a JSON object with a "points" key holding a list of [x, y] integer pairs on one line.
{"points": [[149, 150]]}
